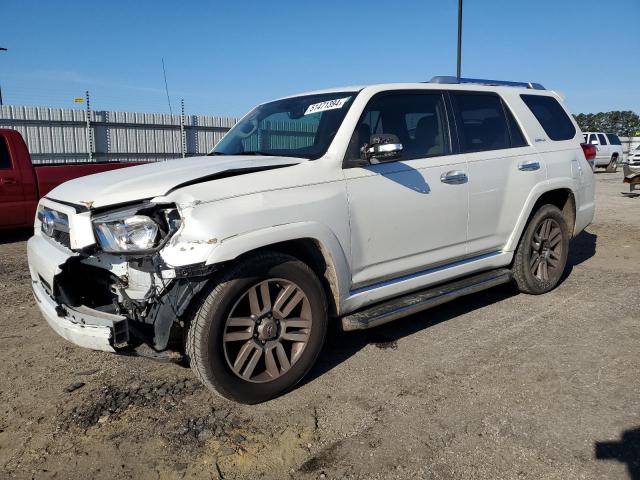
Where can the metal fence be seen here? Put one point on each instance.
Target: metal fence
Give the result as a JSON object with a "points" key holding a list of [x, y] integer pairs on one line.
{"points": [[60, 135]]}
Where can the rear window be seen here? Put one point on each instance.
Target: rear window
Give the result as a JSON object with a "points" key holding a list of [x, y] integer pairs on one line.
{"points": [[613, 139], [551, 115], [602, 139], [5, 160], [482, 124]]}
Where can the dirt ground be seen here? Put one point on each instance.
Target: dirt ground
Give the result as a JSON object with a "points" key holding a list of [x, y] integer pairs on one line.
{"points": [[495, 385]]}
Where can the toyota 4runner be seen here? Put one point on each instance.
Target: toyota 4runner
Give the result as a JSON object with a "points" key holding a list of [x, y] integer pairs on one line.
{"points": [[358, 205]]}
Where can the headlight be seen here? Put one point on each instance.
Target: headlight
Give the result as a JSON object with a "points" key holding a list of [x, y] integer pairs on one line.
{"points": [[136, 229]]}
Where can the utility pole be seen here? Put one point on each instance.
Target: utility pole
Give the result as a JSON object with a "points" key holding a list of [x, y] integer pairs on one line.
{"points": [[2, 49], [459, 39], [183, 137], [89, 131]]}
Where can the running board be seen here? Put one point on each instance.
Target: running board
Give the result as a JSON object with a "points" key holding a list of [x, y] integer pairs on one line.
{"points": [[422, 300]]}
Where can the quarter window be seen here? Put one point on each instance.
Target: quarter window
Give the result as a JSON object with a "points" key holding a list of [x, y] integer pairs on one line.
{"points": [[5, 160], [552, 117], [417, 119], [613, 139], [481, 121]]}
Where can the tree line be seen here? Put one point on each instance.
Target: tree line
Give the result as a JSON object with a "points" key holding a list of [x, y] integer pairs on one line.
{"points": [[622, 123]]}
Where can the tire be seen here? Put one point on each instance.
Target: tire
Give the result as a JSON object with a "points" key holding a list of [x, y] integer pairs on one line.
{"points": [[541, 255], [613, 165], [233, 326]]}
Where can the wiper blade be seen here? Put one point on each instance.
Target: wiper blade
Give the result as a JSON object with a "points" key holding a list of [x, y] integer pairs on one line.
{"points": [[211, 154], [254, 152]]}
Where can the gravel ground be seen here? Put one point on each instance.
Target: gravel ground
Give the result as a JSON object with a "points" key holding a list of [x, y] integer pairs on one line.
{"points": [[496, 385]]}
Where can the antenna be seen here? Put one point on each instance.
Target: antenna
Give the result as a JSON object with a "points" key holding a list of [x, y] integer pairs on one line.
{"points": [[166, 88]]}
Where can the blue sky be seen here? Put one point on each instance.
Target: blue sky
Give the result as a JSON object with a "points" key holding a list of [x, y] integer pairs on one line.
{"points": [[225, 57]]}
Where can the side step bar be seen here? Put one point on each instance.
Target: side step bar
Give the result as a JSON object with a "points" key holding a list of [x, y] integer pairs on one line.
{"points": [[422, 300]]}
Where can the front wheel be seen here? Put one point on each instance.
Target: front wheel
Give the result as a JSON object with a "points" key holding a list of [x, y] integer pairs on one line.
{"points": [[542, 252], [260, 330], [613, 165]]}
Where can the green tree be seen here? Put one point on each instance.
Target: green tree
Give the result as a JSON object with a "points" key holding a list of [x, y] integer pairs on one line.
{"points": [[622, 123]]}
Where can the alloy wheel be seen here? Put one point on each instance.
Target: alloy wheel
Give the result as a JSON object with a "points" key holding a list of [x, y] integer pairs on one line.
{"points": [[546, 250], [267, 330]]}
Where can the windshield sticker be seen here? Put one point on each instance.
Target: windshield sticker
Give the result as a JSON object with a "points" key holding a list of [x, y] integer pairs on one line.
{"points": [[328, 105]]}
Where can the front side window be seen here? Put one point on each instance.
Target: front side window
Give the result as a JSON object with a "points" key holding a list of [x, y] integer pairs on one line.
{"points": [[481, 120], [613, 139], [5, 159], [301, 127], [602, 139], [417, 119], [552, 117]]}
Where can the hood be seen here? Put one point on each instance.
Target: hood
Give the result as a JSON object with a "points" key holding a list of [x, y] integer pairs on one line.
{"points": [[159, 178]]}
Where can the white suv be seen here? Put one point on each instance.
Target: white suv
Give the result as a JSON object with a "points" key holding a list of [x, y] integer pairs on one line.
{"points": [[608, 149], [356, 204]]}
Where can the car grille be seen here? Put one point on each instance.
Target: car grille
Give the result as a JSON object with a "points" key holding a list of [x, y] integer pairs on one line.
{"points": [[55, 225]]}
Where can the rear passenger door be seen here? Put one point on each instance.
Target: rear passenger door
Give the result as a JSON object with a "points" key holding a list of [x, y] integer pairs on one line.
{"points": [[604, 150], [503, 168]]}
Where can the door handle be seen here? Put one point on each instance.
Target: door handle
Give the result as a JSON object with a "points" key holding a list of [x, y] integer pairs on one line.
{"points": [[454, 177], [8, 181], [529, 166]]}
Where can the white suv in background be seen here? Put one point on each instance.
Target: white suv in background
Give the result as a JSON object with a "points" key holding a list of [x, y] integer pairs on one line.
{"points": [[359, 205], [608, 149]]}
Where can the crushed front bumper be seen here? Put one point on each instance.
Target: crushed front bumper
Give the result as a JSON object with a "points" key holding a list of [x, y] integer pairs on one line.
{"points": [[82, 325]]}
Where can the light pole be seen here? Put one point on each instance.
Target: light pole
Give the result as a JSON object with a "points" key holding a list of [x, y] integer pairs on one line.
{"points": [[459, 38], [2, 49]]}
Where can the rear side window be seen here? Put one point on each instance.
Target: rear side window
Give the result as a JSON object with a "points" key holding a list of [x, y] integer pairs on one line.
{"points": [[482, 124], [5, 160], [551, 115], [602, 139], [613, 139]]}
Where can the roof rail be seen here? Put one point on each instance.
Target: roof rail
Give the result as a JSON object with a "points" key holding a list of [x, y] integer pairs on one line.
{"points": [[480, 81]]}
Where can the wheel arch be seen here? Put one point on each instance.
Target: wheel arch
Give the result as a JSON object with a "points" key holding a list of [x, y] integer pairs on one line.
{"points": [[312, 244], [562, 196]]}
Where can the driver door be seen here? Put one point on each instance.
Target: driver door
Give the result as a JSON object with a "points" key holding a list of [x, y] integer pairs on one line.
{"points": [[407, 215]]}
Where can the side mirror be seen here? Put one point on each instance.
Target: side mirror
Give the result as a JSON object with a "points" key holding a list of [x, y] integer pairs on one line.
{"points": [[384, 147]]}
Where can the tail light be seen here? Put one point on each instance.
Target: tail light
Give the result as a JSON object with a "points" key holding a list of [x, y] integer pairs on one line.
{"points": [[589, 151]]}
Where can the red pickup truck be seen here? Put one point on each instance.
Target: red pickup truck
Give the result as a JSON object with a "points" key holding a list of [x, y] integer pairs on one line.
{"points": [[23, 184]]}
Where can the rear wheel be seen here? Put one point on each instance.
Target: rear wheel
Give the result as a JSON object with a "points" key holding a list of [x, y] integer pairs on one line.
{"points": [[613, 164], [542, 252], [260, 330]]}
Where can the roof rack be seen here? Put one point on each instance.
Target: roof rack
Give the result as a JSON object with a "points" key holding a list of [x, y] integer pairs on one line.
{"points": [[480, 81]]}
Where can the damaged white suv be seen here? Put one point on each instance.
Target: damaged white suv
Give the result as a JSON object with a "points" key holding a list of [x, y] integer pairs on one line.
{"points": [[359, 204]]}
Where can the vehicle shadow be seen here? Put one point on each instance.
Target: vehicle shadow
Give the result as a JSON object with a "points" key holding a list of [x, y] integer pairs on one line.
{"points": [[626, 450], [13, 236], [340, 346], [581, 249]]}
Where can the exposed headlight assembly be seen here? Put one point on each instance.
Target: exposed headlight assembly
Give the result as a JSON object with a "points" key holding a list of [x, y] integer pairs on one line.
{"points": [[139, 229]]}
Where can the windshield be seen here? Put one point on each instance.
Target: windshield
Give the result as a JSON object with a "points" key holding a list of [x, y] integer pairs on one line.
{"points": [[293, 127]]}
